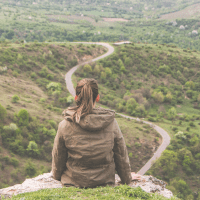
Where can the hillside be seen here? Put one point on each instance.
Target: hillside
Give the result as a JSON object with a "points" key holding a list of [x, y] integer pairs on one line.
{"points": [[33, 96], [161, 84]]}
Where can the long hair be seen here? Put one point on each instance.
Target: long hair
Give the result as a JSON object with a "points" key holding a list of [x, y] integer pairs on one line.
{"points": [[86, 91]]}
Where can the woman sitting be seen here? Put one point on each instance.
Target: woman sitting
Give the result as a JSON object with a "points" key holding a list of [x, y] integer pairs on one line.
{"points": [[89, 146]]}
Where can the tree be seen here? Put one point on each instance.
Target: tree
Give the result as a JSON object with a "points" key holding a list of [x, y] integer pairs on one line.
{"points": [[169, 97], [23, 117], [87, 68], [33, 149], [97, 69], [30, 169], [15, 98], [3, 113], [172, 113], [190, 84], [108, 71], [131, 105], [53, 86], [158, 97]]}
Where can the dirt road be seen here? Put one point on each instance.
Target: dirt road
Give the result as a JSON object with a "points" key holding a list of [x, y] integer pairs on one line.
{"points": [[163, 133]]}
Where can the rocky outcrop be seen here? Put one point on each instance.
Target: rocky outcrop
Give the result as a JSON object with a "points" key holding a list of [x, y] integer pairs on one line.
{"points": [[147, 183]]}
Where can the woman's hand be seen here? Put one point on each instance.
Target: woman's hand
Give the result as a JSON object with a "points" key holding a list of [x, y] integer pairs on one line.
{"points": [[135, 176]]}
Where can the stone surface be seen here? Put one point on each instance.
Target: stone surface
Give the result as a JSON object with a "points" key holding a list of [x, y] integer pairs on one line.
{"points": [[147, 183]]}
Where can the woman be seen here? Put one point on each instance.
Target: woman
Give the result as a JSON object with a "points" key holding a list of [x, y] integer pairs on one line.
{"points": [[89, 146]]}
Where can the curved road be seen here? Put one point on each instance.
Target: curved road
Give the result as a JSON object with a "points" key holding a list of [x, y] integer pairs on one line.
{"points": [[163, 133]]}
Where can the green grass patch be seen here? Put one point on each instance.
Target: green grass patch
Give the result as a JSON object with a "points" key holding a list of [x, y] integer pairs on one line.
{"points": [[106, 193]]}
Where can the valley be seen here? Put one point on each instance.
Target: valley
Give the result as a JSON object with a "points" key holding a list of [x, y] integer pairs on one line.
{"points": [[154, 78]]}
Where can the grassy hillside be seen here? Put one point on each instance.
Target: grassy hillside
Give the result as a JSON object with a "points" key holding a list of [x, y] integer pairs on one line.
{"points": [[33, 96], [161, 84]]}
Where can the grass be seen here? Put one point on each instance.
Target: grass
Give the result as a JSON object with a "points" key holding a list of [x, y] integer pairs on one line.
{"points": [[100, 193]]}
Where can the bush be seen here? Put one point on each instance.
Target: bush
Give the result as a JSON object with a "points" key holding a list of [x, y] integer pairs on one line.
{"points": [[15, 74], [192, 124], [87, 68], [14, 162], [33, 75], [15, 98], [152, 119], [30, 169], [23, 117], [50, 76], [3, 113], [33, 149]]}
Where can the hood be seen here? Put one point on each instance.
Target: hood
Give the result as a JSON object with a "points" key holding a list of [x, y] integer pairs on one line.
{"points": [[97, 120]]}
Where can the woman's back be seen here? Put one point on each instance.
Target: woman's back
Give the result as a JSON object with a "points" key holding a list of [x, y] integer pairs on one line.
{"points": [[87, 152]]}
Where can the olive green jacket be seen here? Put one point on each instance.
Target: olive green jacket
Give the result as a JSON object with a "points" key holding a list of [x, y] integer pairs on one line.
{"points": [[87, 154]]}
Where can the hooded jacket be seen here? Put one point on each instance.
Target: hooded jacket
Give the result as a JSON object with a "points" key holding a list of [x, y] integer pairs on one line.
{"points": [[87, 154]]}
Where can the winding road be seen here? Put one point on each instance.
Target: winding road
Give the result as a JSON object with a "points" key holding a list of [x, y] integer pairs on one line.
{"points": [[163, 133]]}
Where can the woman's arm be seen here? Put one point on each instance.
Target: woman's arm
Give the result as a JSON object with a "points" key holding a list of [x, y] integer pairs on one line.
{"points": [[59, 154], [121, 158]]}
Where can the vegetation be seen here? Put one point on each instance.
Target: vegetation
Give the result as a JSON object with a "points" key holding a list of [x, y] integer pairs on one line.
{"points": [[28, 21], [159, 83], [32, 103], [119, 192]]}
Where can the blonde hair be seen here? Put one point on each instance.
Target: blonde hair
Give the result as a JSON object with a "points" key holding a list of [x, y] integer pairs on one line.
{"points": [[86, 91]]}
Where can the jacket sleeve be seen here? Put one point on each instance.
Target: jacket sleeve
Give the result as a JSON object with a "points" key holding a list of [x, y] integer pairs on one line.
{"points": [[121, 158], [59, 154]]}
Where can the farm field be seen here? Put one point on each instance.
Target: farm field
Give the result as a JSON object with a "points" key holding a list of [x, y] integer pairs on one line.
{"points": [[189, 12]]}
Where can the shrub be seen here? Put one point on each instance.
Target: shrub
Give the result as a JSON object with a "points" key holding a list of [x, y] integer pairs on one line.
{"points": [[130, 155], [33, 75], [188, 129], [158, 97], [33, 149], [53, 124], [152, 119], [14, 162], [87, 68], [6, 159], [42, 100], [30, 169], [43, 72], [3, 113], [15, 98], [53, 86], [172, 113], [192, 124], [23, 117], [15, 74], [50, 76]]}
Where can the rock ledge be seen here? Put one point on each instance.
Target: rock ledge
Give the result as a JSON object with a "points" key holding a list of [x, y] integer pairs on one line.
{"points": [[147, 183]]}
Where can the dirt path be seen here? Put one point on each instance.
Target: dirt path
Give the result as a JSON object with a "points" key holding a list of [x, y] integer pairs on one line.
{"points": [[163, 133]]}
